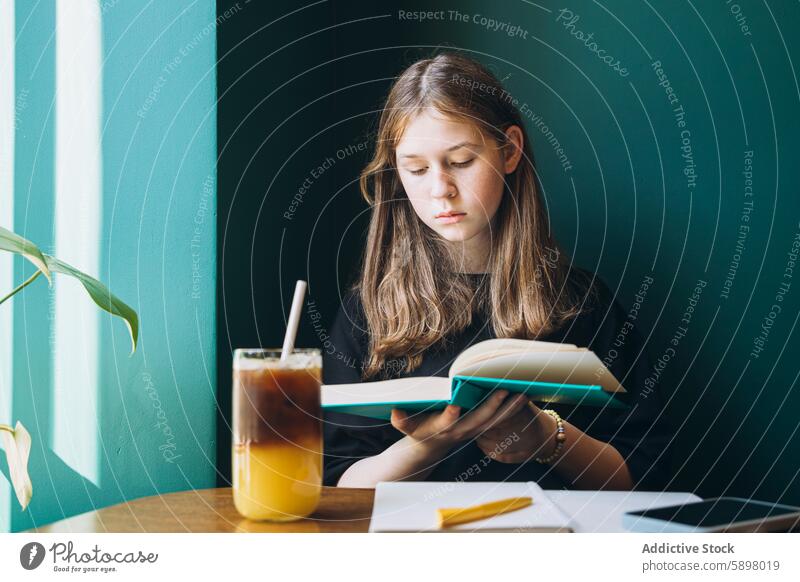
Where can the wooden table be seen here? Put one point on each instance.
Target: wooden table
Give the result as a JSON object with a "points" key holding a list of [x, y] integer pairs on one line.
{"points": [[211, 510], [340, 510]]}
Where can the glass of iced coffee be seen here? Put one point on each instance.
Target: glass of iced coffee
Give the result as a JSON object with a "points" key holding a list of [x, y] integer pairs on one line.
{"points": [[277, 433]]}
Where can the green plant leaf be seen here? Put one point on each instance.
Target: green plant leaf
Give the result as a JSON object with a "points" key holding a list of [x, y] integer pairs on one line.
{"points": [[20, 287], [101, 295], [12, 242], [17, 445]]}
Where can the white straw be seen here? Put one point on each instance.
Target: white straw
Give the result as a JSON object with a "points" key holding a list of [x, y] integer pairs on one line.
{"points": [[294, 320]]}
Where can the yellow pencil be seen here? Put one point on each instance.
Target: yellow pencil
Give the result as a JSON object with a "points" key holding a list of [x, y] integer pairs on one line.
{"points": [[456, 515]]}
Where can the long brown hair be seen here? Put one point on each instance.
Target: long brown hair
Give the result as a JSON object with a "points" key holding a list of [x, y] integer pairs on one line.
{"points": [[412, 297]]}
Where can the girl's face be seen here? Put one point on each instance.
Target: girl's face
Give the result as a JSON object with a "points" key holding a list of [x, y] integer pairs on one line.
{"points": [[454, 175]]}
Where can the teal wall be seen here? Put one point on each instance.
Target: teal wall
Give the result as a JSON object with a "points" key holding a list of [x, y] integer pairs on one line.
{"points": [[631, 207], [155, 410]]}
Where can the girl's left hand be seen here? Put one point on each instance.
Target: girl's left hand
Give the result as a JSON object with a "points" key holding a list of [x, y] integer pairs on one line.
{"points": [[527, 434]]}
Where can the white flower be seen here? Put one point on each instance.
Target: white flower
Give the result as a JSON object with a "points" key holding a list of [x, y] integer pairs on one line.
{"points": [[17, 445]]}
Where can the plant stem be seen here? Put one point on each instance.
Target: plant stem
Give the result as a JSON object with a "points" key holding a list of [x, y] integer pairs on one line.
{"points": [[30, 280]]}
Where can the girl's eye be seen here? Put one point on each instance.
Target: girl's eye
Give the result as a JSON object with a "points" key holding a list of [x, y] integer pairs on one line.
{"points": [[418, 172], [463, 164]]}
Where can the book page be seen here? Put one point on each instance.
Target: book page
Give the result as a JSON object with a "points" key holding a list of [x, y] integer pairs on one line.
{"points": [[387, 391], [492, 348]]}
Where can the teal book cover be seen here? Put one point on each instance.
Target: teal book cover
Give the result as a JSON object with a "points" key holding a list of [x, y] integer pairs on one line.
{"points": [[469, 391]]}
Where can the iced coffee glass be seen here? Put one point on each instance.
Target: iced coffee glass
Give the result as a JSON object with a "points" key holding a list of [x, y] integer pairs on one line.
{"points": [[277, 434]]}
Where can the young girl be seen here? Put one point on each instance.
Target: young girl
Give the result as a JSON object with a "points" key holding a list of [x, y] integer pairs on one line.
{"points": [[459, 250]]}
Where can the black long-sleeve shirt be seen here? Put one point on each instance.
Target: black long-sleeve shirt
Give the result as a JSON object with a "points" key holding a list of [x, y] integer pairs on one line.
{"points": [[640, 433]]}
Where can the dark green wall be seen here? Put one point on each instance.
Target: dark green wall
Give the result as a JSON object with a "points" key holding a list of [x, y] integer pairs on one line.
{"points": [[639, 192]]}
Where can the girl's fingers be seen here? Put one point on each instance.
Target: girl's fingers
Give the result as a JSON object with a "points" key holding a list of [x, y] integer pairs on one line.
{"points": [[399, 419], [452, 411], [403, 422], [484, 412], [449, 416], [506, 411]]}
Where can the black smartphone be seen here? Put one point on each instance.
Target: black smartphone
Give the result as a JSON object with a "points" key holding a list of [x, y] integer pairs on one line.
{"points": [[727, 514]]}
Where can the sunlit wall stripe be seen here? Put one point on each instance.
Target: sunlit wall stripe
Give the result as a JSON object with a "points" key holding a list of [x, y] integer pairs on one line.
{"points": [[7, 125], [77, 233]]}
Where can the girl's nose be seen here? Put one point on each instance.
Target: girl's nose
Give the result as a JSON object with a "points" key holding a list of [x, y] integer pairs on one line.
{"points": [[443, 185]]}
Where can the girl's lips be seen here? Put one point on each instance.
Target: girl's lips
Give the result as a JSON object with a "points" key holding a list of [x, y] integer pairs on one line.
{"points": [[450, 218]]}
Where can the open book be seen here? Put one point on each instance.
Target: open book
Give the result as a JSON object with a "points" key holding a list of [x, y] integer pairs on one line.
{"points": [[545, 371]]}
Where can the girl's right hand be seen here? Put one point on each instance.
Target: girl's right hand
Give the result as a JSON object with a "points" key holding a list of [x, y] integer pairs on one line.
{"points": [[439, 431]]}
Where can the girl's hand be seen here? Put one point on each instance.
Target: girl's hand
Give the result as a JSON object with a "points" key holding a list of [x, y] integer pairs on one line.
{"points": [[531, 435], [439, 431]]}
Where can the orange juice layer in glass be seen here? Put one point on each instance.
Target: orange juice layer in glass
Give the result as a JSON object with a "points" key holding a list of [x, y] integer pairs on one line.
{"points": [[277, 449]]}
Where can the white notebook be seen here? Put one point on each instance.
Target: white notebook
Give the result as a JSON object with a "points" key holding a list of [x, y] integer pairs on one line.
{"points": [[411, 507]]}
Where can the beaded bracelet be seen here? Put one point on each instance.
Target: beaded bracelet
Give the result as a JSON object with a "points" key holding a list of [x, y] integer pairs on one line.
{"points": [[561, 436]]}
